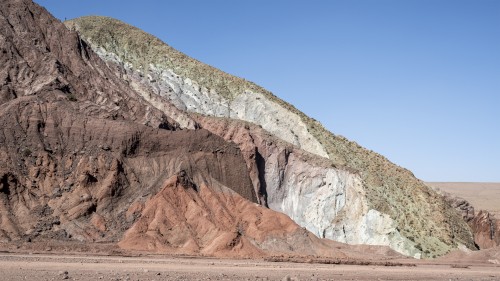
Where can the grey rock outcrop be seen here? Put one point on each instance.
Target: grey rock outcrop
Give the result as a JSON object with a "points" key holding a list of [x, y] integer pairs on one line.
{"points": [[329, 201]]}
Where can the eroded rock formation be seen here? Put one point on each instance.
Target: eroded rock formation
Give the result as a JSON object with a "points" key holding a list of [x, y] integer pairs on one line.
{"points": [[331, 186], [485, 226], [127, 139], [86, 155]]}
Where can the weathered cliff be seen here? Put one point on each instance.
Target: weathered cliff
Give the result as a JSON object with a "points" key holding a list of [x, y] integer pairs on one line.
{"points": [[327, 200], [484, 225], [87, 154], [337, 190]]}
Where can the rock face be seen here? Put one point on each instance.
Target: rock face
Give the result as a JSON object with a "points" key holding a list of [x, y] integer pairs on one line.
{"points": [[486, 229], [485, 226], [328, 201], [182, 80], [216, 221], [138, 143], [87, 155], [327, 184], [73, 170]]}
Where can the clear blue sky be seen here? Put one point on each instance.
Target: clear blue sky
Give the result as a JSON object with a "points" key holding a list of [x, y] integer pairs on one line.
{"points": [[417, 81]]}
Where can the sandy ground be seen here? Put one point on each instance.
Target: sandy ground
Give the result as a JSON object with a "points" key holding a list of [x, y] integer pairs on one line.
{"points": [[483, 196], [73, 267]]}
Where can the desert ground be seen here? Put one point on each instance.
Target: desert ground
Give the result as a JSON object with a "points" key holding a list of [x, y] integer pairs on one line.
{"points": [[107, 262], [483, 196], [17, 266]]}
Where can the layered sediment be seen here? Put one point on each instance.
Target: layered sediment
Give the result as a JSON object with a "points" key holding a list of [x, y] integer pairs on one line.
{"points": [[327, 184], [109, 135]]}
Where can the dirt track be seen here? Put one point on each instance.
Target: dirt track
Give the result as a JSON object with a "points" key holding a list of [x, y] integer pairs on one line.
{"points": [[54, 267]]}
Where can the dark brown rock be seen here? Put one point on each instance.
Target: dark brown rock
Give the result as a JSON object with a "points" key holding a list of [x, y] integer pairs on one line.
{"points": [[78, 146], [485, 227], [42, 59], [85, 159]]}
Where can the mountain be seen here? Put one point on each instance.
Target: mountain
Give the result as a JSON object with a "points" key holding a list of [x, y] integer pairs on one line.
{"points": [[108, 135], [324, 182], [479, 204], [86, 158]]}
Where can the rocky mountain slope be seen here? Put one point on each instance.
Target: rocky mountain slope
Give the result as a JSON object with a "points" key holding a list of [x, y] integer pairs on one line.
{"points": [[484, 224], [86, 155], [482, 195], [327, 184]]}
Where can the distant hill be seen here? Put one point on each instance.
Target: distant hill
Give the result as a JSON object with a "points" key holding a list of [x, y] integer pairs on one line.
{"points": [[479, 204], [482, 195]]}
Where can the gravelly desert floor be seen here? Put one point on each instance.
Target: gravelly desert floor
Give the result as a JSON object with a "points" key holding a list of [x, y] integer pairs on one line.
{"points": [[62, 267]]}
